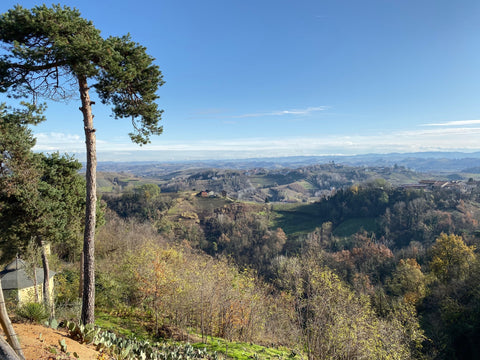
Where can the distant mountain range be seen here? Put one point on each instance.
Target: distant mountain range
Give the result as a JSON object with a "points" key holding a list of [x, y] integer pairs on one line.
{"points": [[429, 162]]}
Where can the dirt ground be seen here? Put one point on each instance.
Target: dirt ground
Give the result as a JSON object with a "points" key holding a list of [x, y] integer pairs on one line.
{"points": [[42, 343]]}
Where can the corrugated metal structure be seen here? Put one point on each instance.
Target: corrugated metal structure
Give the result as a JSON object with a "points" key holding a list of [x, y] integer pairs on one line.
{"points": [[18, 284]]}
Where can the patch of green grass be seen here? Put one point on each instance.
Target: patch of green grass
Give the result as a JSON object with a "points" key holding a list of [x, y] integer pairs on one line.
{"points": [[296, 218], [306, 185], [352, 226], [261, 181], [122, 325], [103, 182], [210, 204], [128, 326], [105, 189], [246, 351], [285, 206]]}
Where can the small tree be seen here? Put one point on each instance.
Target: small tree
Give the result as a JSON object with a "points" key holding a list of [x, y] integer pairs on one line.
{"points": [[451, 257], [157, 278], [41, 197], [18, 175], [50, 52], [15, 172], [408, 281]]}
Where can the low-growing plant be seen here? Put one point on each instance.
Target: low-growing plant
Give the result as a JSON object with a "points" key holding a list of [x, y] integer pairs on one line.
{"points": [[121, 348], [128, 349], [63, 345], [52, 323], [33, 312], [83, 333]]}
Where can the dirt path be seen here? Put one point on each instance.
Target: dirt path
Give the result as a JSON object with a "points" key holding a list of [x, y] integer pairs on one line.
{"points": [[42, 343]]}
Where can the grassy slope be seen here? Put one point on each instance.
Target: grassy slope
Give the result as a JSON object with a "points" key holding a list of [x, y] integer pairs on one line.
{"points": [[130, 326], [296, 218], [246, 351]]}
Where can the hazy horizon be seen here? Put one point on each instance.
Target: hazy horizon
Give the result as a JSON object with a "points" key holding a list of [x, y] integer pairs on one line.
{"points": [[155, 156], [283, 78]]}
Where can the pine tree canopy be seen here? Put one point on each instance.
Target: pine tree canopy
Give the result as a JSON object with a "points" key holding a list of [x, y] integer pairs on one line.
{"points": [[47, 50]]}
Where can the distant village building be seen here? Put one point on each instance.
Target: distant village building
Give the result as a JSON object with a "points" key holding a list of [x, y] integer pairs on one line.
{"points": [[18, 285], [203, 194], [206, 194], [436, 184]]}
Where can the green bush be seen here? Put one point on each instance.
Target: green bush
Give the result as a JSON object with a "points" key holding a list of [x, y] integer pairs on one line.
{"points": [[33, 312], [66, 286]]}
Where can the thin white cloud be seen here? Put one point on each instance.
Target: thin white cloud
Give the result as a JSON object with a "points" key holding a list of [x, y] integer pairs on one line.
{"points": [[404, 141], [442, 131], [306, 111], [455, 123], [59, 142], [438, 139]]}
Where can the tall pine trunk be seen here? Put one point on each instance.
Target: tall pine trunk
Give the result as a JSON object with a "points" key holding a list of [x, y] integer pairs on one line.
{"points": [[88, 298]]}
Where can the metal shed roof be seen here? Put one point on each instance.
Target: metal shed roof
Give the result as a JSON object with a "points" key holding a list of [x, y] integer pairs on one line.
{"points": [[14, 276]]}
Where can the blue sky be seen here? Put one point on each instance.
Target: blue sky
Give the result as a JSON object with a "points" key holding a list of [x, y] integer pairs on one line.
{"points": [[258, 78]]}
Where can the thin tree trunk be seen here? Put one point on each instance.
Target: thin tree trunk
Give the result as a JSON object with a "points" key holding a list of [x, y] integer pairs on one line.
{"points": [[6, 351], [34, 271], [46, 279], [35, 284], [88, 298], [8, 328], [202, 326], [80, 283]]}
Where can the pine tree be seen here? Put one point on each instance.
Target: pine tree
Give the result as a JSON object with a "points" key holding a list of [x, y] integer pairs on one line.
{"points": [[53, 51]]}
